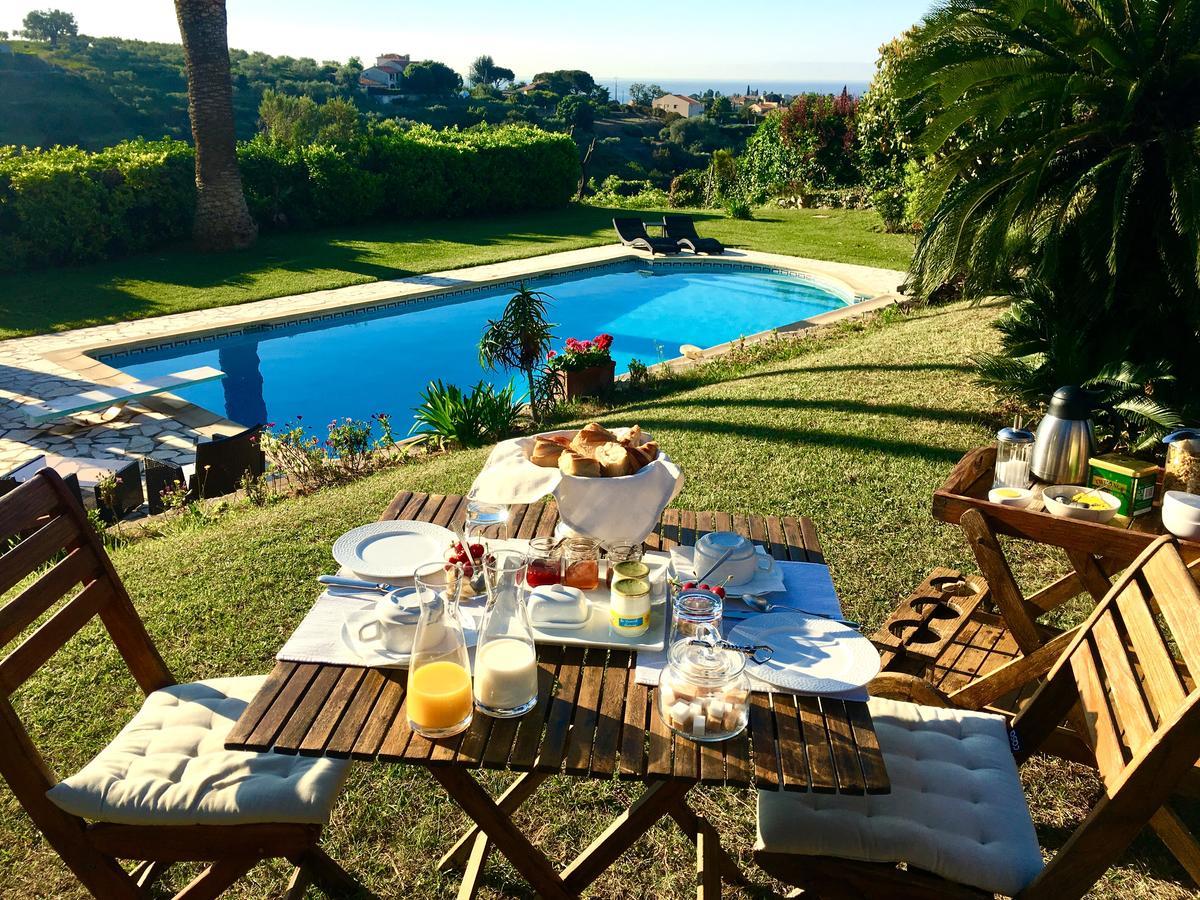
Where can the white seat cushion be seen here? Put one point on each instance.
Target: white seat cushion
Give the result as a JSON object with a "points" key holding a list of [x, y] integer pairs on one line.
{"points": [[169, 766], [956, 807]]}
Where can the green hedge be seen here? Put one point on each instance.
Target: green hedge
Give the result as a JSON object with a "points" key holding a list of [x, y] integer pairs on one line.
{"points": [[65, 205]]}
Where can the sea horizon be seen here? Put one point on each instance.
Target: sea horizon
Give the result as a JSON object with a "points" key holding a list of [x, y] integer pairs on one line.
{"points": [[729, 86]]}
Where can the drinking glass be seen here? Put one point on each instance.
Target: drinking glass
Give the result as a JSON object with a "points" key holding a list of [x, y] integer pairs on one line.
{"points": [[439, 670], [505, 658], [486, 522]]}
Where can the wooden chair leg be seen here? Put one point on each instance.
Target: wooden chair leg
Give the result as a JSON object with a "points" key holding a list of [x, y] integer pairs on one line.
{"points": [[146, 873], [298, 883], [474, 870], [216, 879], [1179, 840], [330, 876]]}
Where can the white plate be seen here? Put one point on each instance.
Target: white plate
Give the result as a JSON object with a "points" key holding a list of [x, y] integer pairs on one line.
{"points": [[812, 655], [385, 551], [373, 654]]}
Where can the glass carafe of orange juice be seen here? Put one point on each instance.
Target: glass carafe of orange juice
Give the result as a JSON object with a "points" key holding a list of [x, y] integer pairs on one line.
{"points": [[439, 699], [505, 659]]}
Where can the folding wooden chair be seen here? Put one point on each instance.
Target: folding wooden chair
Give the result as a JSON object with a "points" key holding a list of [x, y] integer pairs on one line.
{"points": [[953, 814], [164, 790]]}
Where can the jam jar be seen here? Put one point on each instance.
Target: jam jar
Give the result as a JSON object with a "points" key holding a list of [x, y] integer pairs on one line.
{"points": [[704, 691]]}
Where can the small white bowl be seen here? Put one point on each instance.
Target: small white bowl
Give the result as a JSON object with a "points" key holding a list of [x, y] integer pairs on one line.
{"points": [[1055, 495], [1181, 514], [1011, 496]]}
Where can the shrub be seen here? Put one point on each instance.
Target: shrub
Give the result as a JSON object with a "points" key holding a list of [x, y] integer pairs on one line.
{"points": [[628, 194], [66, 205], [687, 189]]}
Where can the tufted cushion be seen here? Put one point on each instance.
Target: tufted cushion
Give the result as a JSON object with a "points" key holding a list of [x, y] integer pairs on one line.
{"points": [[956, 807], [169, 766]]}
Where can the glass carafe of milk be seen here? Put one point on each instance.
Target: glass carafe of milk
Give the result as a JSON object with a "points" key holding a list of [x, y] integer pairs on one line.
{"points": [[505, 659]]}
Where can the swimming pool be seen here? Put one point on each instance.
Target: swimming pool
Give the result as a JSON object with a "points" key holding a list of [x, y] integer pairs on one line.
{"points": [[380, 360]]}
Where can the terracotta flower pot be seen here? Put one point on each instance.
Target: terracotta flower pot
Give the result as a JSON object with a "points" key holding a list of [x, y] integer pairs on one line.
{"points": [[594, 381]]}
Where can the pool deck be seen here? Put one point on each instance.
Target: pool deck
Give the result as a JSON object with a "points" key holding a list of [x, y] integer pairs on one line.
{"points": [[166, 426]]}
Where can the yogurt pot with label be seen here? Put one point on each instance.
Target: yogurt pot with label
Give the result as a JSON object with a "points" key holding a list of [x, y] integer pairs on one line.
{"points": [[629, 607]]}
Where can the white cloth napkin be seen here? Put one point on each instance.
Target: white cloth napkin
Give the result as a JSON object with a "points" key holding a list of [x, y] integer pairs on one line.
{"points": [[318, 637], [607, 509], [807, 587], [684, 560]]}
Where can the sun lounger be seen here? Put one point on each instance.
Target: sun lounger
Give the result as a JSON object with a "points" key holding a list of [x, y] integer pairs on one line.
{"points": [[632, 233], [682, 230], [106, 395]]}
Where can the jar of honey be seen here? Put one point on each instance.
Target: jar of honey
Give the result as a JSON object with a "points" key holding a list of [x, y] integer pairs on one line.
{"points": [[581, 564]]}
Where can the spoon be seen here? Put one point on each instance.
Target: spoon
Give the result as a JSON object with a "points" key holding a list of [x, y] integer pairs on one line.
{"points": [[720, 559], [338, 581], [763, 605]]}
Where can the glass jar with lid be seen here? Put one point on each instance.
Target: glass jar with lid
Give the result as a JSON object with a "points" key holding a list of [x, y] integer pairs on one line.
{"points": [[543, 562], [704, 691], [1014, 454], [581, 563], [620, 552], [695, 609], [1182, 469]]}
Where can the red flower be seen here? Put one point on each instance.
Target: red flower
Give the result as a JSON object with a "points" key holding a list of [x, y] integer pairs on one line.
{"points": [[550, 354]]}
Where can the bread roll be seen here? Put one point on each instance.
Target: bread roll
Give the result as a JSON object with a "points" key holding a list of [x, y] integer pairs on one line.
{"points": [[572, 463], [590, 438], [546, 450], [645, 454], [633, 437], [615, 460]]}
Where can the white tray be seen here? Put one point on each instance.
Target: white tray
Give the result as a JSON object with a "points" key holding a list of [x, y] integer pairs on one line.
{"points": [[595, 632]]}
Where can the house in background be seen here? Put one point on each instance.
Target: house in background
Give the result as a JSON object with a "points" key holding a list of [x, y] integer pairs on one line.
{"points": [[688, 107], [384, 79], [762, 107]]}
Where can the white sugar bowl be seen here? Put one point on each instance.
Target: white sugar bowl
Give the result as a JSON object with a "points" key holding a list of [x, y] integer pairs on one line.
{"points": [[743, 564], [1181, 514]]}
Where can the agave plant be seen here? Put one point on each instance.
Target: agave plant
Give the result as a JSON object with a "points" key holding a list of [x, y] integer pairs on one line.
{"points": [[1063, 139]]}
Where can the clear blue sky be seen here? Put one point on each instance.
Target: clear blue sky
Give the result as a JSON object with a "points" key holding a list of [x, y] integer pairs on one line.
{"points": [[753, 39]]}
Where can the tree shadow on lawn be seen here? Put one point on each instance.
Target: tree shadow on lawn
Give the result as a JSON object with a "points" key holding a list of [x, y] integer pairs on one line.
{"points": [[67, 298], [877, 446], [850, 407]]}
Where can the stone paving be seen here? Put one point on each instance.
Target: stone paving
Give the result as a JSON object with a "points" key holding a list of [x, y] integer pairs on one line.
{"points": [[167, 427]]}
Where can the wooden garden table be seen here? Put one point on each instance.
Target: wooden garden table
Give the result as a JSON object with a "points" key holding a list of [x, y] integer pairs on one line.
{"points": [[592, 720]]}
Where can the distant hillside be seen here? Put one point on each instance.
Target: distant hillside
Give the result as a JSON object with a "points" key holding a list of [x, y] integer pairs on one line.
{"points": [[97, 91]]}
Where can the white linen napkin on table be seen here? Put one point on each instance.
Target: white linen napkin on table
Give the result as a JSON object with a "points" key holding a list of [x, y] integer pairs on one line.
{"points": [[807, 586], [318, 637], [607, 509]]}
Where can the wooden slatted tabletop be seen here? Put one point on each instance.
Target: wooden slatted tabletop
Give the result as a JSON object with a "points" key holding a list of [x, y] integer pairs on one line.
{"points": [[592, 718]]}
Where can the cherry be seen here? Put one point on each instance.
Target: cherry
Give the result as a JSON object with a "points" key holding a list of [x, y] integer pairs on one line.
{"points": [[468, 570], [688, 585], [477, 549], [719, 591], [704, 587]]}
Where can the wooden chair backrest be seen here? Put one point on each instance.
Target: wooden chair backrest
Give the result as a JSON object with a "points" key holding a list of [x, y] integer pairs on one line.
{"points": [[46, 534], [1132, 669]]}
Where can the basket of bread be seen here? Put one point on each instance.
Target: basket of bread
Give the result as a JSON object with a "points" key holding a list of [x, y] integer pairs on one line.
{"points": [[594, 452], [611, 485]]}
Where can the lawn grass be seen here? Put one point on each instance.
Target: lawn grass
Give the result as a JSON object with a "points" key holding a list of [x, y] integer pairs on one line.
{"points": [[178, 280], [855, 429]]}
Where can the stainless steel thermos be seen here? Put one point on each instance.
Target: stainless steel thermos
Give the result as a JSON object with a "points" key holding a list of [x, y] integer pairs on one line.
{"points": [[1065, 438]]}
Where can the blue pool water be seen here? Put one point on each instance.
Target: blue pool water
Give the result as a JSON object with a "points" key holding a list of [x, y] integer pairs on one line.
{"points": [[381, 361]]}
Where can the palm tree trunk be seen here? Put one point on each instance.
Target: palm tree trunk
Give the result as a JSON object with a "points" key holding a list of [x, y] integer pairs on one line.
{"points": [[222, 220]]}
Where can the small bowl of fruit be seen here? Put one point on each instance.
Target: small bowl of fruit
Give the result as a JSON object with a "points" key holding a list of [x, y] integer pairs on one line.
{"points": [[469, 560], [1070, 501]]}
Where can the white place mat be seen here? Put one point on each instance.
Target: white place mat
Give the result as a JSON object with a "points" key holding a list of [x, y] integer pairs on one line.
{"points": [[318, 637], [807, 586]]}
